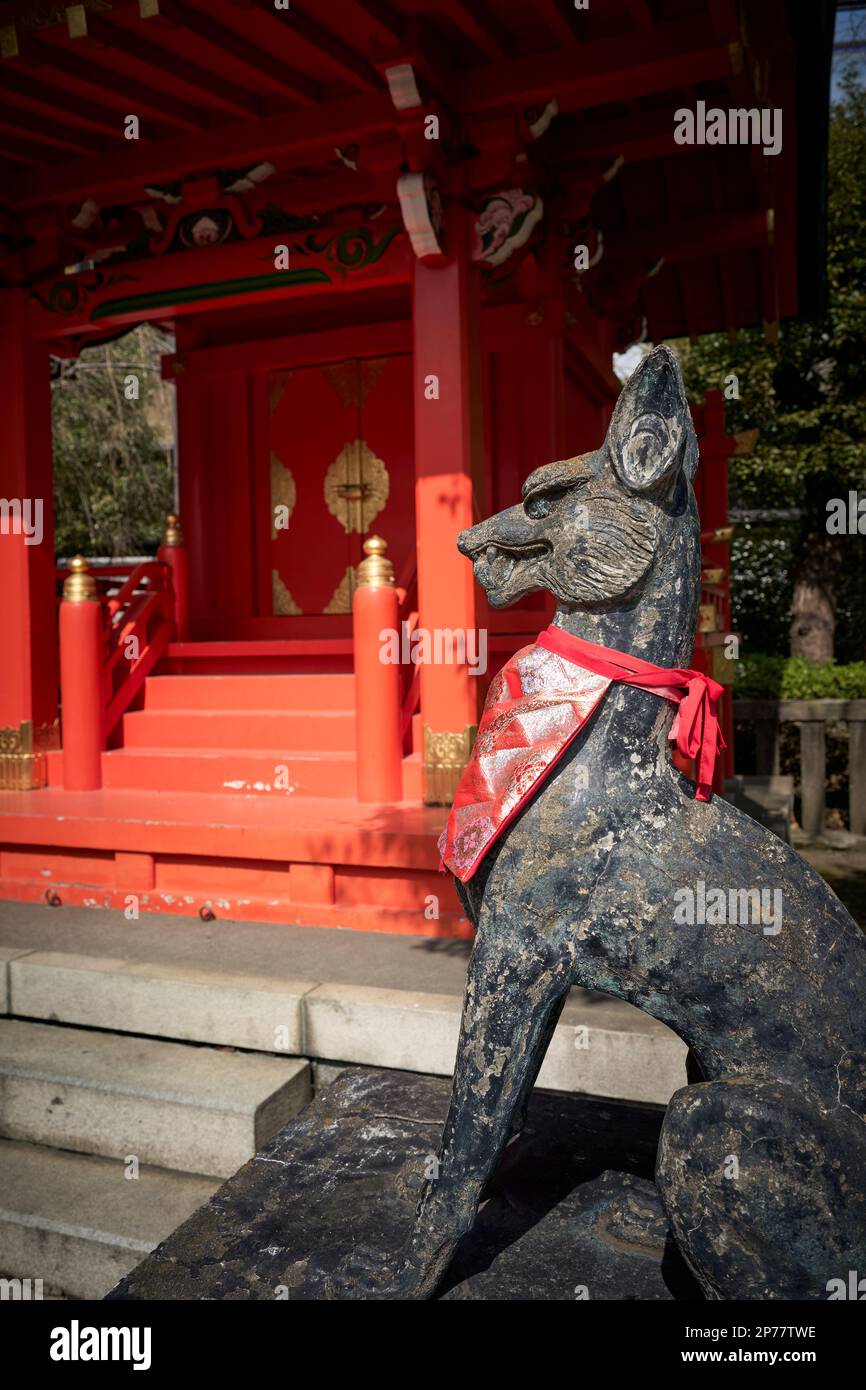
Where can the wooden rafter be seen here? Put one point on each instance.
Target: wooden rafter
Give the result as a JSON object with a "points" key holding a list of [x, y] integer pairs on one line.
{"points": [[601, 71], [18, 80], [692, 238], [723, 14], [649, 136], [556, 20], [138, 97], [389, 26], [290, 140], [28, 152], [52, 133], [137, 45], [294, 84], [346, 63], [475, 21], [641, 15]]}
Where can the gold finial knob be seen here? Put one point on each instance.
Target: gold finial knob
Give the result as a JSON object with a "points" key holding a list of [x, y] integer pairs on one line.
{"points": [[79, 586], [173, 532], [376, 571]]}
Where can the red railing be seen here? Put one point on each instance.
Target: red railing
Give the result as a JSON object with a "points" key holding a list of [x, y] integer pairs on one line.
{"points": [[115, 623], [140, 625]]}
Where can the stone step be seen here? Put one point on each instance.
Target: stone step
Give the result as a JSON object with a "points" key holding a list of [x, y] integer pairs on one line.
{"points": [[334, 996], [196, 1109], [78, 1223]]}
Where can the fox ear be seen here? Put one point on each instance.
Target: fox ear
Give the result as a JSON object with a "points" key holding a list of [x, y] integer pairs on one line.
{"points": [[651, 436]]}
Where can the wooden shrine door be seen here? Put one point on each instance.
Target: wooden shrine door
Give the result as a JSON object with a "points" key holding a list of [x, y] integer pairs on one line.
{"points": [[341, 469]]}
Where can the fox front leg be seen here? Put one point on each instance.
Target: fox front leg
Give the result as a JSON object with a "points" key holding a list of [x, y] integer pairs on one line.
{"points": [[515, 985]]}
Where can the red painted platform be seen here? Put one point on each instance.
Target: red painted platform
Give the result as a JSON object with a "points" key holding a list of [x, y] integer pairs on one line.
{"points": [[299, 860], [234, 793]]}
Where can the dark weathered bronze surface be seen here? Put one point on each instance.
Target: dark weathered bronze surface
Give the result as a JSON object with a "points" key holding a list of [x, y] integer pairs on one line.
{"points": [[762, 1164]]}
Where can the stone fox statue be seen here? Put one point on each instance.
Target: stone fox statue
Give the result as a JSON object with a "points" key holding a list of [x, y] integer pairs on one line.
{"points": [[761, 1166]]}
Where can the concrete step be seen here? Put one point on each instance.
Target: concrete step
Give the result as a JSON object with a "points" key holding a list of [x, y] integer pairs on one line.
{"points": [[261, 729], [252, 692], [191, 1108], [78, 1223], [340, 997]]}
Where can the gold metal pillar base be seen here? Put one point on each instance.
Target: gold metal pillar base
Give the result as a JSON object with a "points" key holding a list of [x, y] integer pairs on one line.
{"points": [[445, 756], [22, 756]]}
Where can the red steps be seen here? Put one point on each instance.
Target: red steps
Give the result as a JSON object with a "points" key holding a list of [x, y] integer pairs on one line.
{"points": [[235, 793], [276, 773], [304, 730], [251, 692], [273, 735]]}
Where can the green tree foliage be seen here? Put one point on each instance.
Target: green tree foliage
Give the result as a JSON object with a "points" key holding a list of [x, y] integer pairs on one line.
{"points": [[113, 454], [807, 398]]}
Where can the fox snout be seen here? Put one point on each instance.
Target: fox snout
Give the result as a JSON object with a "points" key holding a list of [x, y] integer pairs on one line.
{"points": [[510, 530], [504, 551]]}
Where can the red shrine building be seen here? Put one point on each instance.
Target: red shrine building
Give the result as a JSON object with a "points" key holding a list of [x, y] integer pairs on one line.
{"points": [[398, 242]]}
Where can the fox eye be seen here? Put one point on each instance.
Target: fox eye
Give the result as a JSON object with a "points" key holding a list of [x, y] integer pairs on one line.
{"points": [[537, 506]]}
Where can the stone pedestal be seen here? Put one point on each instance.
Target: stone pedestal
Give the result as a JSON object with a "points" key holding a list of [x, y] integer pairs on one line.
{"points": [[572, 1214]]}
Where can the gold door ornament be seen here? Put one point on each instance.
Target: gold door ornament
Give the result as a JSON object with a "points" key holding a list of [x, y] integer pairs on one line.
{"points": [[283, 492], [353, 381], [341, 599], [283, 604], [356, 487]]}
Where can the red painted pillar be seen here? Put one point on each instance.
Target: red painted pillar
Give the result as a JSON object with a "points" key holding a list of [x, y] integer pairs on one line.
{"points": [[28, 670], [173, 553], [81, 679], [200, 447], [377, 681], [448, 471]]}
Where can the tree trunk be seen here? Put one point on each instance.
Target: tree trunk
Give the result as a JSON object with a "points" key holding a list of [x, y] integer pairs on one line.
{"points": [[813, 620]]}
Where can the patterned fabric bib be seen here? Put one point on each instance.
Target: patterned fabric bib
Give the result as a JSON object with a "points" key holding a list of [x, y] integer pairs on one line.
{"points": [[535, 707]]}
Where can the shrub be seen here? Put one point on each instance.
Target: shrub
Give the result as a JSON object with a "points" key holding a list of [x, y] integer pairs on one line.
{"points": [[760, 676]]}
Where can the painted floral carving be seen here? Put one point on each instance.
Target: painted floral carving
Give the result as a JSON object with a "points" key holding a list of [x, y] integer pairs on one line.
{"points": [[505, 223]]}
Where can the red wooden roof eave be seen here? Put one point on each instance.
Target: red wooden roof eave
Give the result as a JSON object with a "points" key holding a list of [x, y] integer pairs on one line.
{"points": [[589, 75], [787, 305]]}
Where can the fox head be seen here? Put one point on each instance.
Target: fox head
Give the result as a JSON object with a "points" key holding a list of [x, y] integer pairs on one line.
{"points": [[591, 529]]}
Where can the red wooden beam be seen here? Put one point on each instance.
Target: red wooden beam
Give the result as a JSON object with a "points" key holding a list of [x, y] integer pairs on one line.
{"points": [[66, 137], [478, 24], [605, 70], [229, 42], [647, 135], [206, 84], [294, 139], [20, 80], [189, 282], [711, 234], [388, 26], [723, 14], [297, 350], [556, 20], [29, 152], [641, 15], [347, 64], [142, 99]]}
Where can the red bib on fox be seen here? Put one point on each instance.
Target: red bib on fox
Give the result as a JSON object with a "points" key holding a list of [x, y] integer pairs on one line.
{"points": [[535, 707]]}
